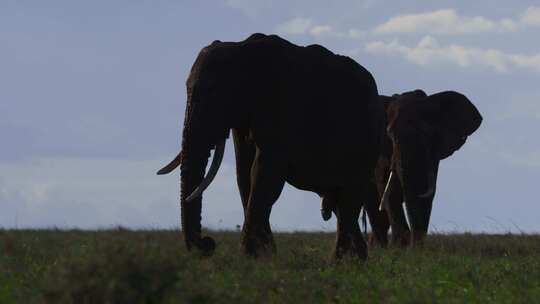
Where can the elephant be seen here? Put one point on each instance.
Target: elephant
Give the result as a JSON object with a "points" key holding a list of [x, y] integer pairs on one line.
{"points": [[298, 114], [421, 130]]}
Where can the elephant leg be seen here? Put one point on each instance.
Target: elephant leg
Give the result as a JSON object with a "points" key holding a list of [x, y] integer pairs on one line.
{"points": [[396, 215], [349, 236], [378, 219], [267, 181], [245, 153]]}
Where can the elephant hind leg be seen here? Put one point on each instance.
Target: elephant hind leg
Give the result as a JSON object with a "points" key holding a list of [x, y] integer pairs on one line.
{"points": [[349, 236], [267, 181]]}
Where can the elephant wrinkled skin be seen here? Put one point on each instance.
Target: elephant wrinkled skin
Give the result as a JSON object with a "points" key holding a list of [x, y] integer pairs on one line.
{"points": [[301, 115]]}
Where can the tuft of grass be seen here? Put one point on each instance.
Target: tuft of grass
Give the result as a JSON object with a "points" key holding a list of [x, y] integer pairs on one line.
{"points": [[123, 266]]}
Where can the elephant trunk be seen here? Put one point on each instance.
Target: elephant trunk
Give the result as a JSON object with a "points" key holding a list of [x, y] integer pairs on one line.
{"points": [[191, 176], [417, 173], [212, 172], [431, 183], [197, 141]]}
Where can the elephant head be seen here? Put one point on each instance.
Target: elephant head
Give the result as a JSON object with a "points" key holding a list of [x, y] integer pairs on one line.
{"points": [[422, 130], [205, 128]]}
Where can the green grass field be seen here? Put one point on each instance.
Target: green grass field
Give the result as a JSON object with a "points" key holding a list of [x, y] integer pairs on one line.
{"points": [[121, 266]]}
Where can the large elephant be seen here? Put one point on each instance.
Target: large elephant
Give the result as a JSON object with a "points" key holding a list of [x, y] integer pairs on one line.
{"points": [[421, 131], [301, 115]]}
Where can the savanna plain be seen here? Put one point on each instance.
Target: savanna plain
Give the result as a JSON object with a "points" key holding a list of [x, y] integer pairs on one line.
{"points": [[124, 266]]}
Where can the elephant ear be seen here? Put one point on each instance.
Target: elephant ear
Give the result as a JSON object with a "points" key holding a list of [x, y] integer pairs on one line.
{"points": [[454, 117], [416, 94]]}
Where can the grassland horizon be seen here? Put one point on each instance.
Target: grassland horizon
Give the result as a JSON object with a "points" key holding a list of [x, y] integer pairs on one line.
{"points": [[152, 266]]}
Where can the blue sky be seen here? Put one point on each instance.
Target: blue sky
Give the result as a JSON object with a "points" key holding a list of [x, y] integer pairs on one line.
{"points": [[92, 100]]}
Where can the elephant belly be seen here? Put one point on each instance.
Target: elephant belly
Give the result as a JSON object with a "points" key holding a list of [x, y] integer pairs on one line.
{"points": [[318, 175]]}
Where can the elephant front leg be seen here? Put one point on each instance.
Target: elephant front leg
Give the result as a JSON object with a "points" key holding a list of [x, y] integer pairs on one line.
{"points": [[378, 219], [267, 181], [349, 236]]}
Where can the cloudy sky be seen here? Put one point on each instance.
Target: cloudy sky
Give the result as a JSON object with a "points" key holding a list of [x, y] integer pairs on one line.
{"points": [[92, 98]]}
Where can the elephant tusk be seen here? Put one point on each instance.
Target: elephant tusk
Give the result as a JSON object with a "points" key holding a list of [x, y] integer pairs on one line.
{"points": [[386, 193], [172, 165], [212, 172]]}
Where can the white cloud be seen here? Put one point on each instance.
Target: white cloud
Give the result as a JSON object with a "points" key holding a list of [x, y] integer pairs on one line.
{"points": [[447, 21], [296, 25], [429, 52], [321, 30], [531, 16], [100, 193], [356, 34], [526, 61], [440, 22], [300, 25]]}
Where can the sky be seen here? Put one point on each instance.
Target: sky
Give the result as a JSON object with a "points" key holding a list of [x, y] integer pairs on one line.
{"points": [[92, 97]]}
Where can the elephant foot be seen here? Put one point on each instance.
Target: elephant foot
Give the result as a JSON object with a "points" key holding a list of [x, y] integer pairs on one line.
{"points": [[379, 233], [260, 244], [352, 245], [381, 240], [205, 245], [418, 238], [401, 239], [256, 248], [372, 241]]}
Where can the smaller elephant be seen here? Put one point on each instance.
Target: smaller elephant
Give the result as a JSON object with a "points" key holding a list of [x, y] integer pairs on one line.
{"points": [[421, 131]]}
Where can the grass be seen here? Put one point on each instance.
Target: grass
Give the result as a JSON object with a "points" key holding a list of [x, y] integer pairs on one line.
{"points": [[122, 266]]}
